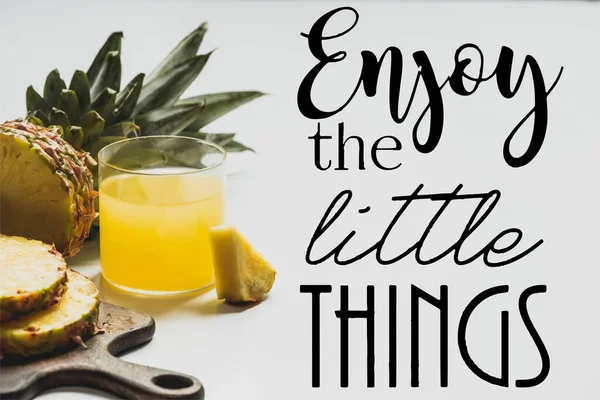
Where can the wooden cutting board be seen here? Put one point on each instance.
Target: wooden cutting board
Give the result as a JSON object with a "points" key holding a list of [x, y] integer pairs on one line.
{"points": [[97, 366]]}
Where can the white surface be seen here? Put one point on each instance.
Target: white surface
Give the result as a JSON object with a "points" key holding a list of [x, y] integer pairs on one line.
{"points": [[263, 353]]}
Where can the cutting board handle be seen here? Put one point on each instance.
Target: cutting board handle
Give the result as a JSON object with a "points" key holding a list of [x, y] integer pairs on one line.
{"points": [[130, 381], [113, 375]]}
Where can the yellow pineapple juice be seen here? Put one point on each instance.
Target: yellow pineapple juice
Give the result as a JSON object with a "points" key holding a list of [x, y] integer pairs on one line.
{"points": [[154, 229]]}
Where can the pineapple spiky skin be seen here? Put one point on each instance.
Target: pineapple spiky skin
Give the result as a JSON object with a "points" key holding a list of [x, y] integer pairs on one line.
{"points": [[46, 187], [93, 111], [61, 326], [34, 277]]}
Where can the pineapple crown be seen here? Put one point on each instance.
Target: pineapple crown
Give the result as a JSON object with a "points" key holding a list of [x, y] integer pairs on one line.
{"points": [[94, 112]]}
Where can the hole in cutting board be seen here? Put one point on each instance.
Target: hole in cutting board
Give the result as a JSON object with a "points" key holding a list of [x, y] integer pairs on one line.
{"points": [[172, 381]]}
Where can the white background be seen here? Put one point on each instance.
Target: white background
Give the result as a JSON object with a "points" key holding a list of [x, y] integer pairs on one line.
{"points": [[278, 196]]}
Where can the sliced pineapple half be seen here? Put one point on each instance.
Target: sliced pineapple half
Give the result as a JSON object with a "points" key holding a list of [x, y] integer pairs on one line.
{"points": [[46, 188], [34, 276], [241, 273], [73, 320]]}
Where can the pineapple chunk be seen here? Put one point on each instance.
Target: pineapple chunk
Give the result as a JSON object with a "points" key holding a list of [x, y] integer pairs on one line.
{"points": [[241, 273]]}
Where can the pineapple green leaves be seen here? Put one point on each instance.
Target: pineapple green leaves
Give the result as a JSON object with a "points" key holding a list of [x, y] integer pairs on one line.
{"points": [[222, 139], [109, 75], [81, 86], [186, 49], [93, 111], [168, 120], [53, 88], [113, 43], [165, 89], [128, 97], [216, 105]]}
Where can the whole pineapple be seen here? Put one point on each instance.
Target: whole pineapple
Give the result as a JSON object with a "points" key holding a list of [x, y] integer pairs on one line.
{"points": [[93, 111]]}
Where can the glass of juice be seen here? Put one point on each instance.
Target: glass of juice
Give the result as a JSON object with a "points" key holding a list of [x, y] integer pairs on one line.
{"points": [[159, 196]]}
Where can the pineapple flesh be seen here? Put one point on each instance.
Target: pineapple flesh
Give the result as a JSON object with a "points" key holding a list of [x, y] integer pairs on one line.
{"points": [[241, 273], [46, 188], [34, 276], [69, 322]]}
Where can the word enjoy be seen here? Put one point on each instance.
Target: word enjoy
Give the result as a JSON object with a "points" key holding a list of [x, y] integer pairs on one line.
{"points": [[371, 69]]}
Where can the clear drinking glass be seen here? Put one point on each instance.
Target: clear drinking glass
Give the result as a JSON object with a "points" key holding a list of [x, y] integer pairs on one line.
{"points": [[159, 196]]}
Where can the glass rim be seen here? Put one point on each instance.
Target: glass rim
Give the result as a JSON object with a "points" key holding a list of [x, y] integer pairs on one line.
{"points": [[220, 148]]}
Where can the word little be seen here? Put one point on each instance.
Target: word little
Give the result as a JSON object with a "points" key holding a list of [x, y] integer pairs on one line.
{"points": [[341, 202]]}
